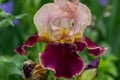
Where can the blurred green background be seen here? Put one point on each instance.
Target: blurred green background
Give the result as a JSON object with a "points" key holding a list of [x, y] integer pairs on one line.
{"points": [[17, 25]]}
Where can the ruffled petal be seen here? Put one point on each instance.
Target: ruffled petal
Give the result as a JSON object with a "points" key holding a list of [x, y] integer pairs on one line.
{"points": [[93, 48], [45, 16], [80, 46], [81, 15], [61, 3], [93, 64], [62, 59], [83, 18], [29, 43]]}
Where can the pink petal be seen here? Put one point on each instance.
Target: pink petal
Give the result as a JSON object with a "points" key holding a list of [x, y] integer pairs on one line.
{"points": [[45, 16], [84, 17], [81, 15], [62, 59], [61, 3]]}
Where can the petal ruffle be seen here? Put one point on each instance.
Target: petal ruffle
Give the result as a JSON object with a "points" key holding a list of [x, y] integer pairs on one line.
{"points": [[92, 47], [81, 15], [45, 16], [81, 21], [61, 3], [29, 43], [80, 46], [62, 59]]}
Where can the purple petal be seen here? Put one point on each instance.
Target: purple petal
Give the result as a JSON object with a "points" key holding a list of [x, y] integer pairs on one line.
{"points": [[98, 51], [80, 46], [29, 43], [93, 63], [7, 7], [103, 2], [21, 50], [16, 21], [62, 59], [93, 48], [90, 44]]}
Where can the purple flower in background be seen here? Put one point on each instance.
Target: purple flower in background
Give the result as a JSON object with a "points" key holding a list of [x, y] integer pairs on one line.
{"points": [[8, 8], [103, 2], [93, 63], [61, 25], [16, 21]]}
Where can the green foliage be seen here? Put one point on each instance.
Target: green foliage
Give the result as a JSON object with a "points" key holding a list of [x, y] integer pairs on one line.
{"points": [[87, 75], [6, 19], [10, 67], [107, 68]]}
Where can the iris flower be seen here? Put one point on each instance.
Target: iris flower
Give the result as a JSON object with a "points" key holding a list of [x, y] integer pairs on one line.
{"points": [[61, 25]]}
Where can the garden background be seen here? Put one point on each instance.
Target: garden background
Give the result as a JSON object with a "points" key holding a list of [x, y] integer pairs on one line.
{"points": [[16, 26]]}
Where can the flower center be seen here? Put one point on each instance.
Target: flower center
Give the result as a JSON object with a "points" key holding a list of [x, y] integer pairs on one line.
{"points": [[60, 30]]}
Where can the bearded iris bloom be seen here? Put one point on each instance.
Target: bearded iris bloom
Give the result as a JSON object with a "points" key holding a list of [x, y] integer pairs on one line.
{"points": [[61, 25]]}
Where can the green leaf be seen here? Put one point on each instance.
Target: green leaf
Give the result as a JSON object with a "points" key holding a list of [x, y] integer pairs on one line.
{"points": [[18, 60], [89, 74], [21, 16], [8, 67]]}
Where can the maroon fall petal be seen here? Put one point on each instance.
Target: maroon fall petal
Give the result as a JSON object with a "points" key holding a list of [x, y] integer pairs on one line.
{"points": [[21, 50], [90, 44], [29, 43], [93, 48], [80, 46], [32, 40], [98, 51], [62, 59]]}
